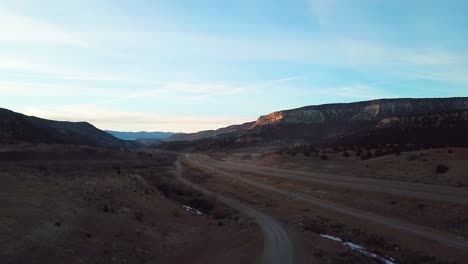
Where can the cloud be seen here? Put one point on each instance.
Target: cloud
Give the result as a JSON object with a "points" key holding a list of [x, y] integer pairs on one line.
{"points": [[33, 68], [201, 91], [354, 92], [23, 30], [112, 119], [36, 89], [321, 10]]}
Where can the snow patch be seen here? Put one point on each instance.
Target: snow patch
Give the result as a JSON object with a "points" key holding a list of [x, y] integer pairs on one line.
{"points": [[191, 210], [332, 238], [360, 249]]}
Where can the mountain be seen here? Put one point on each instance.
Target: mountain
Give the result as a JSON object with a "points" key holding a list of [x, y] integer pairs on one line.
{"points": [[437, 120], [362, 112], [427, 130], [209, 133], [16, 127], [140, 135], [149, 141]]}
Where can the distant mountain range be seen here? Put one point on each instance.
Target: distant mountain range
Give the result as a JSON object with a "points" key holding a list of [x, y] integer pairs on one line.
{"points": [[436, 121], [140, 135], [17, 128], [425, 122], [208, 133]]}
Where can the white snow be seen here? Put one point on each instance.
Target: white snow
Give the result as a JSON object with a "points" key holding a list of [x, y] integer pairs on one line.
{"points": [[192, 210], [332, 238], [360, 249]]}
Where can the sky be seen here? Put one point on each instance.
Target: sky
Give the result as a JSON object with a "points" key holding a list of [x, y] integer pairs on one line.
{"points": [[186, 66]]}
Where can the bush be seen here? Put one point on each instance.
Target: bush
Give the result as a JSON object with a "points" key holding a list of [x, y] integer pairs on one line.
{"points": [[246, 156], [379, 153], [442, 169], [346, 154], [358, 152], [366, 156], [139, 216], [324, 157]]}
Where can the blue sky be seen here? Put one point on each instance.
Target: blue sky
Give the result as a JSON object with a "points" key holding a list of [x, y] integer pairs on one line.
{"points": [[178, 65]]}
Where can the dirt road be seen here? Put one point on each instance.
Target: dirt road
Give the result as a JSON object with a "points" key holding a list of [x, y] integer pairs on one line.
{"points": [[278, 247], [414, 190], [214, 166]]}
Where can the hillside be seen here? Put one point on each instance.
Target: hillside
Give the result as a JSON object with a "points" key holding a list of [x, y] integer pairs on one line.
{"points": [[209, 133], [139, 135], [438, 121], [17, 128]]}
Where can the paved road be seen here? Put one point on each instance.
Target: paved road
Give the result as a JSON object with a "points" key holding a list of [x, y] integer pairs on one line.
{"points": [[414, 190], [278, 248], [423, 232]]}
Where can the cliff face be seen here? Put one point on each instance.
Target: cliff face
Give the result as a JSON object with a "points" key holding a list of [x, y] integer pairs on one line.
{"points": [[362, 112]]}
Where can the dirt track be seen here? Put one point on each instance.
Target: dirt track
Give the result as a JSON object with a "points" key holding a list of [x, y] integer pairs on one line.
{"points": [[415, 190], [278, 248], [220, 168]]}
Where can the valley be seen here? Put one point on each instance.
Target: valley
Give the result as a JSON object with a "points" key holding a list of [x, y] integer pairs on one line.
{"points": [[340, 183]]}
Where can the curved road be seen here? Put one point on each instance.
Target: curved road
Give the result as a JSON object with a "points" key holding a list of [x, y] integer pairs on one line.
{"points": [[278, 248], [415, 190], [426, 233]]}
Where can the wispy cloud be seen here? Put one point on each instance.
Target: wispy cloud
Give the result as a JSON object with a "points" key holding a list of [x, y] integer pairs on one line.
{"points": [[24, 30], [35, 89], [321, 10], [110, 118], [31, 67], [200, 91]]}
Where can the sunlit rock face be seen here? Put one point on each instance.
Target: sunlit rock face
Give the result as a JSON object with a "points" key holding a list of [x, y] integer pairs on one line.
{"points": [[362, 112], [269, 119]]}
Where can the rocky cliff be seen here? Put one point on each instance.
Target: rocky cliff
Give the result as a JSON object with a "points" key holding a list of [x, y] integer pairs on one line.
{"points": [[361, 112]]}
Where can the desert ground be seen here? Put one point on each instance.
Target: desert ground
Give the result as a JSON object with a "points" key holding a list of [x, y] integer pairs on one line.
{"points": [[420, 217], [76, 204], [66, 204]]}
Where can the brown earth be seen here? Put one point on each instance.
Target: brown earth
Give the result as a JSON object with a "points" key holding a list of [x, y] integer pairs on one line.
{"points": [[414, 166], [306, 217], [68, 204]]}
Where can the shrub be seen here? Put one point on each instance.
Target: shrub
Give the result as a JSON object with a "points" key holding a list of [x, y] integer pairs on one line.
{"points": [[379, 153], [139, 216], [358, 152], [366, 156], [346, 154], [246, 156], [324, 157], [442, 169]]}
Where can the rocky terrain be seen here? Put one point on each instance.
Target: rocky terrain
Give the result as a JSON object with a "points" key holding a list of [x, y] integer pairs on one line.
{"points": [[17, 128], [371, 122]]}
